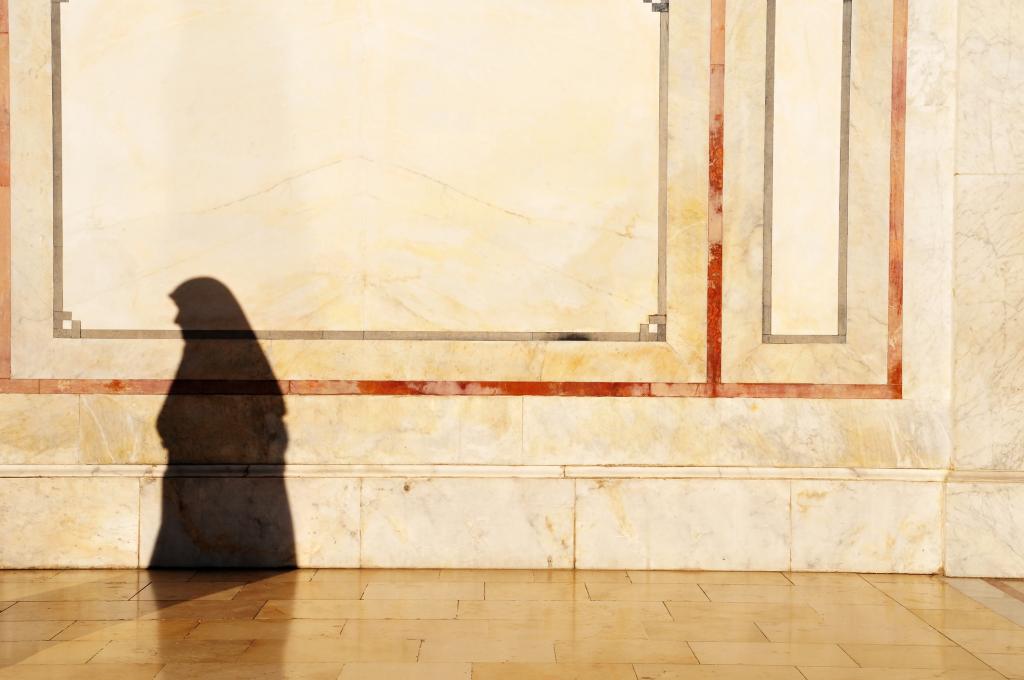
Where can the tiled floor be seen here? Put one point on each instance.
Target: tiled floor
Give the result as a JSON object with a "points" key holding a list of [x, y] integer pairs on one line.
{"points": [[506, 625]]}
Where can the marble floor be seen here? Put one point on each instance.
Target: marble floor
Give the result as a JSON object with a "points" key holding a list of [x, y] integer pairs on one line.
{"points": [[506, 625]]}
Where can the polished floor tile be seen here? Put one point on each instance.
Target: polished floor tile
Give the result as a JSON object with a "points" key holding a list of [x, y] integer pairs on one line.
{"points": [[647, 592], [897, 674], [746, 611], [212, 590], [431, 624], [487, 650], [624, 651], [266, 630], [913, 656], [771, 654], [165, 629], [57, 652], [406, 671], [552, 671], [358, 609], [988, 641], [943, 619], [323, 650], [171, 651], [843, 593], [928, 596], [250, 671], [795, 631], [579, 576], [675, 672], [707, 630], [377, 575], [92, 671], [303, 590], [536, 591], [424, 591], [1010, 665], [739, 578], [25, 631]]}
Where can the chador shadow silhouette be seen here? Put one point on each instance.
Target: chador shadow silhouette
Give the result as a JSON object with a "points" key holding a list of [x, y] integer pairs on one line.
{"points": [[212, 518]]}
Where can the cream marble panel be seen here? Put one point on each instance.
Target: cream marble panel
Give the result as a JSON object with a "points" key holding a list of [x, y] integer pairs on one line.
{"points": [[38, 429], [985, 529], [319, 526], [37, 354], [807, 126], [766, 432], [382, 191], [867, 526], [50, 523], [990, 131], [321, 429], [989, 355], [464, 523], [862, 358], [682, 524]]}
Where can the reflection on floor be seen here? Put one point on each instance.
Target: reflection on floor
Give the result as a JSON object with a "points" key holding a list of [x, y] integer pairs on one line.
{"points": [[509, 625]]}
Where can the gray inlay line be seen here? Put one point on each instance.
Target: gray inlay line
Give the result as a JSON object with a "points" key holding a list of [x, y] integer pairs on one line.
{"points": [[58, 163], [67, 327], [663, 167], [583, 336], [842, 308]]}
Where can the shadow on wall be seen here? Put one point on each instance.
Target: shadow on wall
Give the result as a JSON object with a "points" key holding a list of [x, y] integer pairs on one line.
{"points": [[227, 521]]}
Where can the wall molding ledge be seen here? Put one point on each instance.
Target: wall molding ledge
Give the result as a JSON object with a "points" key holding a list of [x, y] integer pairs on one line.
{"points": [[496, 471]]}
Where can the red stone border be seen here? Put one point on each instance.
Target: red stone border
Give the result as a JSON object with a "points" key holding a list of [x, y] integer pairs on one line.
{"points": [[893, 389]]}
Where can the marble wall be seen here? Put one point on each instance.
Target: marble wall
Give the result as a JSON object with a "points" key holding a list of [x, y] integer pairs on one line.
{"points": [[538, 287], [986, 503]]}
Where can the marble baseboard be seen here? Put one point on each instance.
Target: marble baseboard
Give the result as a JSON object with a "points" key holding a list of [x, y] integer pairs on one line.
{"points": [[802, 519], [985, 526]]}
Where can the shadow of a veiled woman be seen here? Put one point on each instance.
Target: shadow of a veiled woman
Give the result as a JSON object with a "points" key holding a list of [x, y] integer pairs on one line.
{"points": [[213, 517]]}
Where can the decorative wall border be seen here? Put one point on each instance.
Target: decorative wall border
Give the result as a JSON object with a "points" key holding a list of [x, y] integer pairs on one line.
{"points": [[65, 325], [711, 388]]}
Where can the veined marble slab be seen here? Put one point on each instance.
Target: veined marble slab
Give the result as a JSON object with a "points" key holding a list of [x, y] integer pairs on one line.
{"points": [[364, 165]]}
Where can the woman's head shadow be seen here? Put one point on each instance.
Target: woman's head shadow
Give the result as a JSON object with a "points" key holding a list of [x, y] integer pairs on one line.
{"points": [[225, 407]]}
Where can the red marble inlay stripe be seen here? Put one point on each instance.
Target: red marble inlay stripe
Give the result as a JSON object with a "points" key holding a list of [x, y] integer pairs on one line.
{"points": [[19, 386], [716, 179], [897, 181], [451, 388], [5, 197], [471, 388]]}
